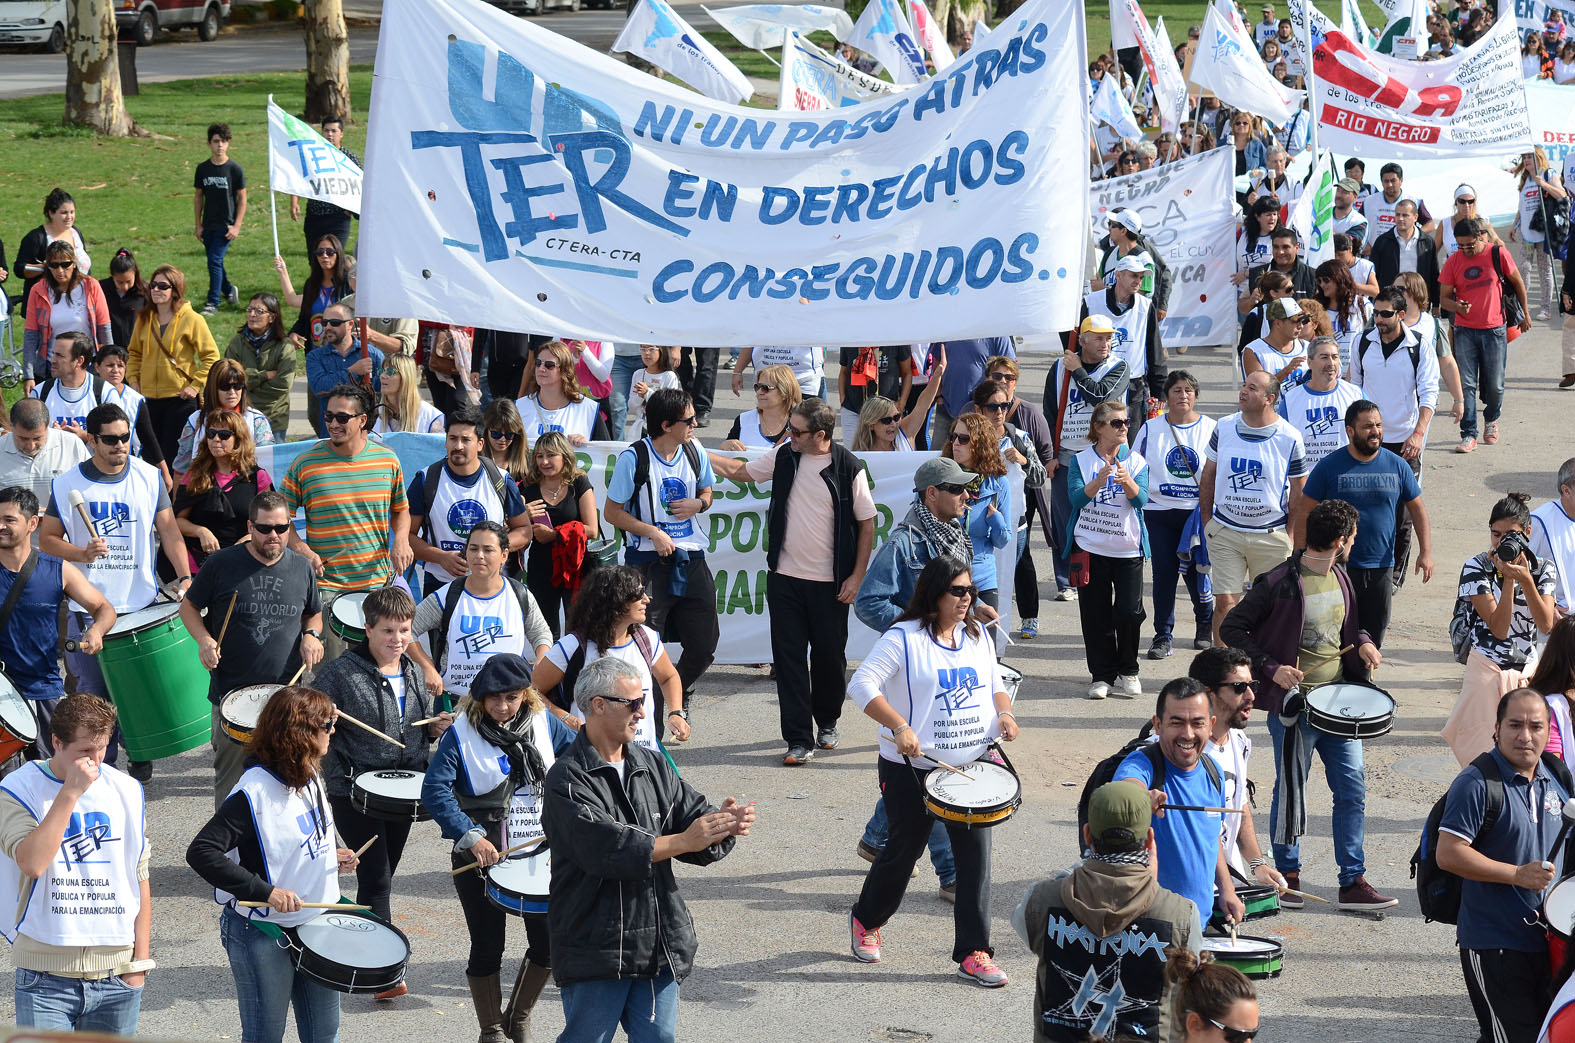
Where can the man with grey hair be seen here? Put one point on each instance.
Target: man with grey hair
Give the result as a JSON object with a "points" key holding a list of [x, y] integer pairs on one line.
{"points": [[1553, 536], [33, 453], [616, 815]]}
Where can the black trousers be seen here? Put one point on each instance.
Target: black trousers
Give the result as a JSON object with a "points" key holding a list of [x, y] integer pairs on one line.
{"points": [[488, 925], [697, 374], [908, 831], [1025, 581], [809, 639], [689, 620], [1510, 992], [374, 876], [1403, 522], [1111, 611], [1373, 590], [168, 417]]}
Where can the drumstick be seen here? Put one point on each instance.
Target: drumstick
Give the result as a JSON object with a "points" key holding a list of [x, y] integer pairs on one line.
{"points": [[367, 727], [226, 624], [297, 676], [997, 623], [74, 497], [341, 906], [366, 845], [1199, 807], [1302, 894], [501, 855], [426, 720], [948, 767], [1332, 655]]}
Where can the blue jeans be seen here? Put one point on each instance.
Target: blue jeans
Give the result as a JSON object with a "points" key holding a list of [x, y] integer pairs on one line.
{"points": [[647, 1008], [1481, 355], [940, 844], [216, 242], [1060, 518], [1164, 536], [46, 1001], [623, 370], [266, 987], [1342, 766]]}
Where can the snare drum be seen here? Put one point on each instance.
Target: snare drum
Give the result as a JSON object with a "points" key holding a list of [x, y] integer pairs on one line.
{"points": [[1558, 910], [520, 885], [238, 711], [1011, 680], [347, 617], [349, 951], [391, 793], [1260, 902], [989, 796], [1257, 958], [18, 725], [1350, 711]]}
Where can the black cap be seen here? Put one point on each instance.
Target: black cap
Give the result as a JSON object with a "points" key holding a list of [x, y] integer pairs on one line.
{"points": [[504, 672]]}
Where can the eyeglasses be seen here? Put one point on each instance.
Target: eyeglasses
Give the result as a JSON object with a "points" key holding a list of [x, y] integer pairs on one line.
{"points": [[336, 323], [961, 437], [1117, 422], [113, 439], [327, 726], [1235, 1035], [340, 418], [160, 286], [1002, 377], [223, 436], [502, 436], [272, 530], [759, 388], [690, 421], [1385, 314], [997, 407], [61, 266], [255, 310], [889, 420], [1239, 687], [325, 251], [232, 386], [546, 363], [960, 590], [630, 703], [797, 432], [953, 488], [1465, 202]]}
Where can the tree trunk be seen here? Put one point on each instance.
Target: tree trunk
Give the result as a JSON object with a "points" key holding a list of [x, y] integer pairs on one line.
{"points": [[958, 17], [93, 97], [327, 62]]}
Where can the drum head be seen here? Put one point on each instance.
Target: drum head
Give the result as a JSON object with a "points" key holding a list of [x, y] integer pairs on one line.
{"points": [[395, 783], [1357, 702], [243, 706], [1559, 907], [348, 610], [15, 713], [1242, 947], [144, 618], [531, 875], [352, 941], [990, 786]]}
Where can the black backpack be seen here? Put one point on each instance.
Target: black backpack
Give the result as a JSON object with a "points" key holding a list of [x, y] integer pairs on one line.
{"points": [[1105, 771], [429, 485], [642, 472], [562, 695], [1437, 889]]}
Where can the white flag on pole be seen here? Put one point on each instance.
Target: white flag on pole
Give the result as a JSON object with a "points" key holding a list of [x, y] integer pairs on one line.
{"points": [[883, 32], [763, 26], [813, 81], [1171, 69], [1110, 107], [930, 34], [1354, 24], [1312, 215], [656, 33], [1170, 90], [302, 163], [1226, 64]]}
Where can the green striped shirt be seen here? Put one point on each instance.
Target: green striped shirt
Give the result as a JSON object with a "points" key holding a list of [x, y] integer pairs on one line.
{"points": [[348, 502]]}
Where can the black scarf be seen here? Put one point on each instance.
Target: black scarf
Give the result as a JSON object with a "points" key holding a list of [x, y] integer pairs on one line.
{"points": [[517, 741]]}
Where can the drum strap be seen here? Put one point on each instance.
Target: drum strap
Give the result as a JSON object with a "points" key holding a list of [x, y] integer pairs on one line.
{"points": [[15, 593]]}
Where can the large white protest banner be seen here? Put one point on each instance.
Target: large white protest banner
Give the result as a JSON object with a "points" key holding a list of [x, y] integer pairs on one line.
{"points": [[1186, 211], [521, 181], [1468, 105], [1226, 64], [1533, 15], [302, 163], [812, 80], [766, 25]]}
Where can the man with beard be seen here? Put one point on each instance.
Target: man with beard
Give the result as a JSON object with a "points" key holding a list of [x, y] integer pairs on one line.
{"points": [[268, 593], [1300, 625], [1378, 483]]}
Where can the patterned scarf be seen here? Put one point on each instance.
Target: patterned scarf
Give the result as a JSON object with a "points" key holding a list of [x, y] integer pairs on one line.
{"points": [[1123, 858], [948, 538]]}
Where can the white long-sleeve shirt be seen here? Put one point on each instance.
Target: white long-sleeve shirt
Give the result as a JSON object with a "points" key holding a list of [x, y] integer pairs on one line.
{"points": [[1400, 388], [947, 695]]}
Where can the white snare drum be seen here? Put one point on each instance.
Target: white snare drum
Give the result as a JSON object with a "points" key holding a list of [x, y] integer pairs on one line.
{"points": [[1558, 909], [18, 725], [1257, 958], [1351, 711], [347, 617], [988, 797], [1011, 680], [350, 951], [391, 793], [520, 885], [238, 711]]}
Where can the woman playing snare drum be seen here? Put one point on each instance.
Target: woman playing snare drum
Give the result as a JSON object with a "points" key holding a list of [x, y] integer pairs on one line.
{"points": [[272, 841], [933, 685], [484, 789]]}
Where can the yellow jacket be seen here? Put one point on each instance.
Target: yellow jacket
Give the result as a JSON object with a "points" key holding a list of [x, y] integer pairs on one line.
{"points": [[186, 355]]}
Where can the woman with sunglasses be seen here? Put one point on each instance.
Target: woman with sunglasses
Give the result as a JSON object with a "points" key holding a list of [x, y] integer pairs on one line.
{"points": [[63, 301], [215, 495], [988, 517], [328, 283], [169, 356], [272, 841], [1108, 484], [551, 398], [1347, 310], [777, 394], [225, 389], [400, 407], [556, 493], [1465, 206], [1214, 1003], [506, 441], [485, 787], [881, 429], [933, 685], [607, 617], [267, 357], [125, 292], [1541, 190]]}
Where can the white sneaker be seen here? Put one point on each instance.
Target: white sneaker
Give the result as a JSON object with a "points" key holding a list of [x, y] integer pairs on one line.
{"points": [[1543, 315], [1098, 690], [1066, 594], [1129, 685]]}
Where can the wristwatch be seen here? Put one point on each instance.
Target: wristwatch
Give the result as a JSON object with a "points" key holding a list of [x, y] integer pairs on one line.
{"points": [[683, 714], [312, 633]]}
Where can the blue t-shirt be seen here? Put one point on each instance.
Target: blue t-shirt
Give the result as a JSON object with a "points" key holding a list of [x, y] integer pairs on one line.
{"points": [[670, 479], [1376, 488], [965, 361], [1187, 842], [1492, 916], [989, 531]]}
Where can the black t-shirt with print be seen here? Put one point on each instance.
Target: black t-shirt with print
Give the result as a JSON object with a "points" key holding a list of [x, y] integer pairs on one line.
{"points": [[219, 187]]}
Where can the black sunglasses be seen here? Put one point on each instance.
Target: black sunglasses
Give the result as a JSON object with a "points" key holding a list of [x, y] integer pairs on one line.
{"points": [[797, 432], [61, 266], [275, 530], [1465, 202], [961, 437], [340, 418], [160, 286], [1117, 422], [953, 488], [1239, 687], [764, 387], [998, 407], [1385, 314], [889, 420], [1235, 1035], [328, 725], [1002, 377], [112, 439], [630, 703], [326, 251], [502, 436], [336, 322], [547, 363], [221, 434], [232, 386], [640, 595], [962, 590]]}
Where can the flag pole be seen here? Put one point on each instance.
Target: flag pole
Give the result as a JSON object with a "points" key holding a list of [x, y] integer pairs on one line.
{"points": [[1312, 81], [273, 209]]}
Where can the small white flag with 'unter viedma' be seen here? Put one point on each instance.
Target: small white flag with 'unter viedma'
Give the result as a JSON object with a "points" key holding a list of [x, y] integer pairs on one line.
{"points": [[656, 33], [302, 163]]}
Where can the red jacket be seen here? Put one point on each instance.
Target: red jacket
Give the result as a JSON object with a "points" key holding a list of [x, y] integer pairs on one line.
{"points": [[37, 311]]}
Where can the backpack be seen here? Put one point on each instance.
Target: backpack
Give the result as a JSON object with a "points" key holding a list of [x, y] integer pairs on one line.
{"points": [[1105, 771], [1460, 630], [563, 694], [450, 603], [429, 485], [642, 471], [1437, 889], [98, 394]]}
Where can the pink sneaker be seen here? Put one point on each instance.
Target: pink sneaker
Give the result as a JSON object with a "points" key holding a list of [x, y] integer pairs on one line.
{"points": [[980, 969], [1490, 435], [1466, 445], [866, 944]]}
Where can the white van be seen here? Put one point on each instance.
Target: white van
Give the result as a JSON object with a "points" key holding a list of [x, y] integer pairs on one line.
{"points": [[33, 23]]}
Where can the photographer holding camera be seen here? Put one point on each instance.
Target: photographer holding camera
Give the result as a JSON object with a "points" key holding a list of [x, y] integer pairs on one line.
{"points": [[1503, 612]]}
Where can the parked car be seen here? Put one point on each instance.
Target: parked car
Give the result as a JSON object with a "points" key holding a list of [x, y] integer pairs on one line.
{"points": [[141, 20], [34, 23]]}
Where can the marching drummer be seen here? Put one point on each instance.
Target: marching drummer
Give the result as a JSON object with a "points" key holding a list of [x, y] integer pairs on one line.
{"points": [[74, 825], [128, 504], [484, 787], [933, 685], [261, 598], [272, 841], [378, 684]]}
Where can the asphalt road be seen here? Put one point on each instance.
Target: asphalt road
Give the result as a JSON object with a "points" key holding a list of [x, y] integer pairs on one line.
{"points": [[772, 917]]}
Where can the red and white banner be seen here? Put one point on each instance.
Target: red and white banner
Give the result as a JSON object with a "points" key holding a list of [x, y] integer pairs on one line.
{"points": [[1370, 104]]}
